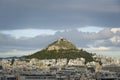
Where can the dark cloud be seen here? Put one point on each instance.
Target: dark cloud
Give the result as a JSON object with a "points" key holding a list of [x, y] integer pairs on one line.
{"points": [[52, 14]]}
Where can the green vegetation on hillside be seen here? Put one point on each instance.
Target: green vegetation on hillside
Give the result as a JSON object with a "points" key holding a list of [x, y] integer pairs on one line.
{"points": [[55, 54]]}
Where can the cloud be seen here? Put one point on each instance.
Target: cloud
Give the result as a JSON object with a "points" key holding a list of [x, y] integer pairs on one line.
{"points": [[102, 48], [104, 40], [115, 30], [52, 14], [17, 53]]}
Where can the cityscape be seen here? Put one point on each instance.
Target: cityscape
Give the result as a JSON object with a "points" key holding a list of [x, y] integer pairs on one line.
{"points": [[59, 40]]}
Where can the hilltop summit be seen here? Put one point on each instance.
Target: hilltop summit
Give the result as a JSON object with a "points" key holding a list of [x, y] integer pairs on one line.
{"points": [[61, 44]]}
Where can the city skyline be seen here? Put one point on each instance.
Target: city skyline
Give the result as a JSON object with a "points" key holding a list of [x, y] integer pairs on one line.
{"points": [[27, 26]]}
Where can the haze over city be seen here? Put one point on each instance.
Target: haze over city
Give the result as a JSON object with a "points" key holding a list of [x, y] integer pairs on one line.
{"points": [[27, 26]]}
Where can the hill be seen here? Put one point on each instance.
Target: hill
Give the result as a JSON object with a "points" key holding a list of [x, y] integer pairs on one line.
{"points": [[61, 48], [61, 44]]}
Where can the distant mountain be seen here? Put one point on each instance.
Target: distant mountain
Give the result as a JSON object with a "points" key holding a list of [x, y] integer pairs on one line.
{"points": [[13, 57], [61, 48]]}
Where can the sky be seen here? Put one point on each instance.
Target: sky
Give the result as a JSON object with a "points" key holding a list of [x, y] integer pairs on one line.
{"points": [[27, 26]]}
